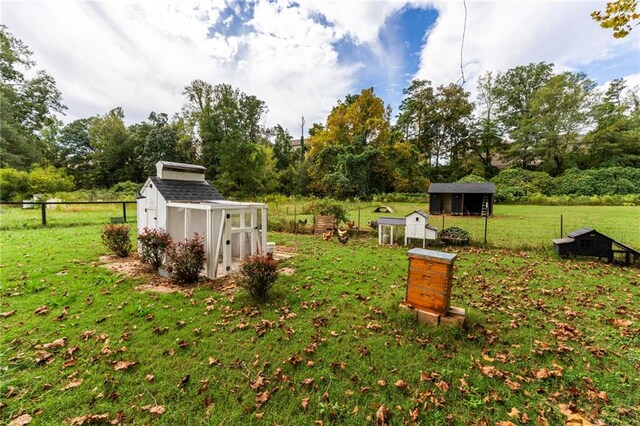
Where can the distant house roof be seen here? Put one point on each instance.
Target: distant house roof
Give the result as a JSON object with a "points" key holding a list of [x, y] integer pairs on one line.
{"points": [[462, 188], [185, 190], [420, 212]]}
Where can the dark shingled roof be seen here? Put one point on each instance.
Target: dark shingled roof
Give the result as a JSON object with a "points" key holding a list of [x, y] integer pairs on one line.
{"points": [[579, 232], [462, 188], [185, 190]]}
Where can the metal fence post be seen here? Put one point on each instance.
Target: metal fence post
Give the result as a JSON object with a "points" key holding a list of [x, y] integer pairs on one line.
{"points": [[124, 212], [43, 209]]}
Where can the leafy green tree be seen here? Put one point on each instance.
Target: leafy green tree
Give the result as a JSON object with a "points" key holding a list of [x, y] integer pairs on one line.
{"points": [[14, 184], [282, 148], [560, 112], [347, 156], [437, 121], [515, 90], [49, 180], [27, 105], [486, 136], [615, 140], [75, 150], [114, 158]]}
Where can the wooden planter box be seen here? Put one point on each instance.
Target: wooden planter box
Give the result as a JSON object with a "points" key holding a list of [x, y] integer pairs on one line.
{"points": [[429, 280]]}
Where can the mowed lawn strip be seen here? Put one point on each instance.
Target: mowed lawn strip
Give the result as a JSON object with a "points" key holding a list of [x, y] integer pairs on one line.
{"points": [[547, 337]]}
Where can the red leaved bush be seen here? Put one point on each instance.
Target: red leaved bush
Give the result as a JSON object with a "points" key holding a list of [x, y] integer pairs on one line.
{"points": [[259, 272], [116, 238], [153, 244], [186, 260]]}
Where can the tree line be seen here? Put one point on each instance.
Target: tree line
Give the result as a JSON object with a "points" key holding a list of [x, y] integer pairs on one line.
{"points": [[527, 117]]}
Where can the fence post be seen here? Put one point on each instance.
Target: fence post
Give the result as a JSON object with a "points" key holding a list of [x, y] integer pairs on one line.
{"points": [[124, 212], [486, 221], [43, 209], [442, 221], [561, 226]]}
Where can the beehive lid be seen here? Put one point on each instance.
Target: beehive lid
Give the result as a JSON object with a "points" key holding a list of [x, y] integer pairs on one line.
{"points": [[434, 256]]}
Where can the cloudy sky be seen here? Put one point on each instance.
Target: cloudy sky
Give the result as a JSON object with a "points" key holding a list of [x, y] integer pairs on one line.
{"points": [[300, 57]]}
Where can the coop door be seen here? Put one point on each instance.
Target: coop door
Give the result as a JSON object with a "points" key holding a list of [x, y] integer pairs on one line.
{"points": [[152, 219]]}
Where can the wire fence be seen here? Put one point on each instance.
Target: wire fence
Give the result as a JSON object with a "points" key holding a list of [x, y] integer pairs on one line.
{"points": [[511, 226], [34, 214]]}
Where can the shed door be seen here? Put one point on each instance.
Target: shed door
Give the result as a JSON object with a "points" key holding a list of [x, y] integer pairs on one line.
{"points": [[456, 204], [152, 218], [434, 204]]}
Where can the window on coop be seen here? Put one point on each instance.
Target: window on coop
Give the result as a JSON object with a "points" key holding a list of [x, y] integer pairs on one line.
{"points": [[585, 243]]}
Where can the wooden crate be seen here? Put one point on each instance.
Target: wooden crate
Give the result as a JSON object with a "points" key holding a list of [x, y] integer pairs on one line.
{"points": [[429, 280], [324, 224]]}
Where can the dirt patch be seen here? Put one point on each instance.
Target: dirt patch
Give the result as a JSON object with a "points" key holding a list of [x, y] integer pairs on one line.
{"points": [[286, 249], [287, 271], [132, 267]]}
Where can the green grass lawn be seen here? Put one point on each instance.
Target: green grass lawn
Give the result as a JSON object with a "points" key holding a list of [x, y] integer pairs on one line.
{"points": [[512, 226], [545, 338]]}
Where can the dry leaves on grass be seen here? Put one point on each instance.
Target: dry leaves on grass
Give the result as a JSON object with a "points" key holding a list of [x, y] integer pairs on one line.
{"points": [[73, 383], [382, 416], [90, 419], [123, 365], [8, 313], [22, 420], [154, 409]]}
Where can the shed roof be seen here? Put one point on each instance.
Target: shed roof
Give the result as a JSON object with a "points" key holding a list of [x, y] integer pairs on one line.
{"points": [[462, 188], [580, 232], [401, 221], [185, 190]]}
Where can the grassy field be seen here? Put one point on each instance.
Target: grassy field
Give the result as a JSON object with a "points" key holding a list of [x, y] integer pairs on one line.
{"points": [[546, 339], [512, 226]]}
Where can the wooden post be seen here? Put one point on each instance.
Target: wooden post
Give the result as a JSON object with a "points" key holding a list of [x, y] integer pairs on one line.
{"points": [[124, 212], [442, 220], [561, 225], [486, 220], [263, 248], [43, 209]]}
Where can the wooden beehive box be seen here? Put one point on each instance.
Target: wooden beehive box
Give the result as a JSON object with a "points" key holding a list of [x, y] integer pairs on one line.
{"points": [[429, 280]]}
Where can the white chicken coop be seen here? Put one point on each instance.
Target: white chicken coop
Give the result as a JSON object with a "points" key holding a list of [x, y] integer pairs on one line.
{"points": [[182, 202], [416, 226]]}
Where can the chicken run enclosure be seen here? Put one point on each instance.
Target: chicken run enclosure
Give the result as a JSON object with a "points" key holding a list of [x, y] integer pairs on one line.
{"points": [[182, 202], [231, 231]]}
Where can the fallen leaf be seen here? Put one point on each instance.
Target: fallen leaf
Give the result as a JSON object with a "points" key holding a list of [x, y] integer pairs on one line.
{"points": [[24, 419], [58, 343], [258, 383], [305, 403], [73, 383], [42, 310], [442, 385], [382, 415], [150, 377], [123, 365], [5, 315], [401, 384], [382, 382], [158, 409], [514, 413]]}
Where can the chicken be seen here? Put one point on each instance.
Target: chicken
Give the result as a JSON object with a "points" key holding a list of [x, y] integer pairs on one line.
{"points": [[373, 224], [327, 235], [343, 239], [351, 224], [302, 222], [342, 233]]}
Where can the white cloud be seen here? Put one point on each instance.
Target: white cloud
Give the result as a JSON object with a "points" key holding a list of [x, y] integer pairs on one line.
{"points": [[139, 54], [501, 35]]}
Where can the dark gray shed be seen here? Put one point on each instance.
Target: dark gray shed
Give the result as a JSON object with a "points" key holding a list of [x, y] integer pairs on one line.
{"points": [[589, 242], [461, 198]]}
